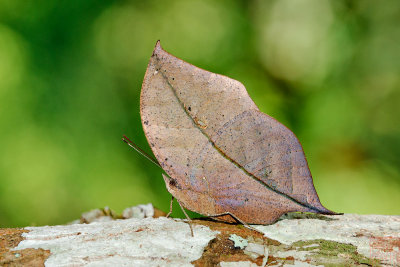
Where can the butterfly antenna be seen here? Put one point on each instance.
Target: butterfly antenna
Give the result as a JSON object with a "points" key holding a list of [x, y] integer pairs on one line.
{"points": [[140, 151]]}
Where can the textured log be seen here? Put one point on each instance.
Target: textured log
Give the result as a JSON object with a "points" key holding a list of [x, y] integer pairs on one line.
{"points": [[136, 238]]}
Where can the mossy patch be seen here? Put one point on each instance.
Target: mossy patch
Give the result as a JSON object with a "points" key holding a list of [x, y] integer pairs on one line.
{"points": [[331, 253]]}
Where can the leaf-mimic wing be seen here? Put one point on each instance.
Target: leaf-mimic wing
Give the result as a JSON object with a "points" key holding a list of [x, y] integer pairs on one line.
{"points": [[221, 152]]}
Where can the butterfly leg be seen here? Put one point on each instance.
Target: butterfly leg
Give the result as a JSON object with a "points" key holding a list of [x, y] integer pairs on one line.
{"points": [[170, 207], [187, 217], [237, 219]]}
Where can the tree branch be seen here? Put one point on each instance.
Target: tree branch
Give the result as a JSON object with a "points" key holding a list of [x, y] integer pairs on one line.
{"points": [[142, 237]]}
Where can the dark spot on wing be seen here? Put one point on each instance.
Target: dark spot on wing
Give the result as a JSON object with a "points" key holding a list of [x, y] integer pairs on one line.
{"points": [[174, 183]]}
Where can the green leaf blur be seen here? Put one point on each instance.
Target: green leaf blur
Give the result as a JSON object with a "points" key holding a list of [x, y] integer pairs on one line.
{"points": [[71, 73]]}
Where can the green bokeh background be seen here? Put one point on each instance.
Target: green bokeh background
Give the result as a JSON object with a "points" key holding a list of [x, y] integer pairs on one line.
{"points": [[71, 72]]}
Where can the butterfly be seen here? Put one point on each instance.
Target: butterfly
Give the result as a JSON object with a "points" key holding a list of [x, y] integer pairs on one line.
{"points": [[221, 155]]}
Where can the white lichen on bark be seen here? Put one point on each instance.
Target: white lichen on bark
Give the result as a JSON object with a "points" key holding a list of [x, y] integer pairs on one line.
{"points": [[300, 240], [130, 242], [370, 234]]}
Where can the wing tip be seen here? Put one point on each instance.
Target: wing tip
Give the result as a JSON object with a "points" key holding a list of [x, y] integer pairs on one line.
{"points": [[325, 211], [157, 47]]}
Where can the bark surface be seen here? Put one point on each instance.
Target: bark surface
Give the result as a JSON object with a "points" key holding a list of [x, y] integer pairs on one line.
{"points": [[141, 236]]}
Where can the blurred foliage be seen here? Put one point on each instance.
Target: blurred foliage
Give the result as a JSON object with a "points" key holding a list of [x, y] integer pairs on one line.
{"points": [[71, 72]]}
